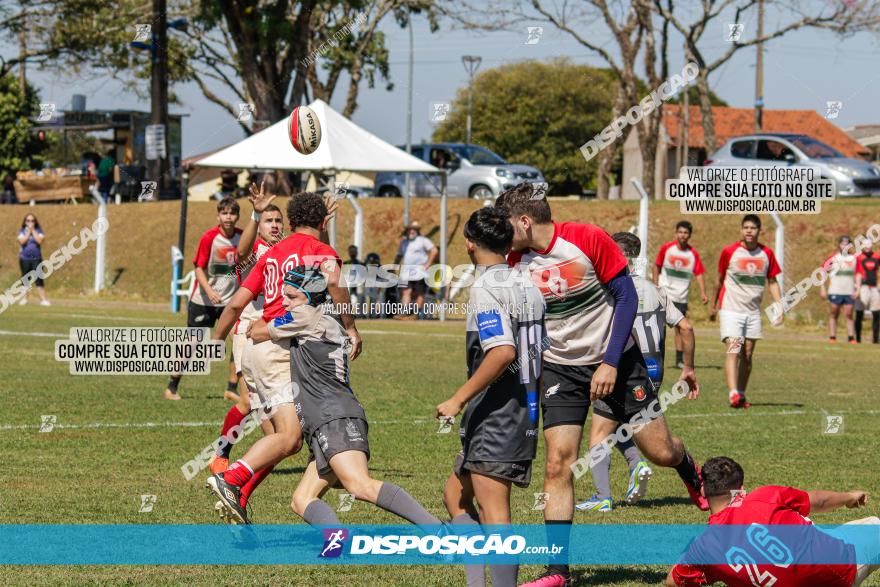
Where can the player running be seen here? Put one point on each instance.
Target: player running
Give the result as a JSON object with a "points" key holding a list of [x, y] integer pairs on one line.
{"points": [[499, 429], [866, 285], [333, 421], [215, 284], [677, 264], [745, 268], [763, 508], [266, 365], [841, 267], [654, 310], [269, 229], [591, 306]]}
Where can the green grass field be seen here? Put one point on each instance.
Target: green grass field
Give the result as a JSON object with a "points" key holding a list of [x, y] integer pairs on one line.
{"points": [[102, 456]]}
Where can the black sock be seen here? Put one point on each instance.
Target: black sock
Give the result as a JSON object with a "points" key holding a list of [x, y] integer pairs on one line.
{"points": [[875, 326], [679, 357], [687, 470], [860, 315], [173, 383], [232, 386], [832, 338], [850, 338], [559, 534]]}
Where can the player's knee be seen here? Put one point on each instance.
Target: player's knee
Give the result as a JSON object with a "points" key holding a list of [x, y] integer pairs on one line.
{"points": [[665, 455], [558, 465], [299, 503], [292, 444]]}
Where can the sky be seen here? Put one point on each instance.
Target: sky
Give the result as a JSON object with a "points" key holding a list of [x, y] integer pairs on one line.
{"points": [[803, 70]]}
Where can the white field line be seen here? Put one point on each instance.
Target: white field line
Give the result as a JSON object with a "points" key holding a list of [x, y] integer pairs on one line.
{"points": [[148, 425]]}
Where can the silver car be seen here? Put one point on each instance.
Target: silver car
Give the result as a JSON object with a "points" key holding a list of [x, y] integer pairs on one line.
{"points": [[853, 177], [473, 172]]}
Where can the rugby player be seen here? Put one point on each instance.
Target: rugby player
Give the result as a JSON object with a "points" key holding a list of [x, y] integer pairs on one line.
{"points": [[866, 285], [591, 306], [214, 285], [499, 429], [266, 365], [677, 264], [766, 507], [841, 267], [745, 268], [333, 421], [654, 310]]}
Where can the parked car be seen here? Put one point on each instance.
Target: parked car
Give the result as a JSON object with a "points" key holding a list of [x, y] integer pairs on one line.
{"points": [[473, 172], [853, 177]]}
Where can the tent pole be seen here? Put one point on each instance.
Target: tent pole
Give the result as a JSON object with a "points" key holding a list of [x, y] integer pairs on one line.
{"points": [[331, 185], [443, 236]]}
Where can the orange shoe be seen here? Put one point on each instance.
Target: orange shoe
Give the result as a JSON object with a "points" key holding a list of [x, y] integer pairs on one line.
{"points": [[219, 465]]}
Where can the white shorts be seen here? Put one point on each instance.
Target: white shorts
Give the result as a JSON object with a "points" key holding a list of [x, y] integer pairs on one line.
{"points": [[238, 342], [740, 325], [868, 299], [266, 371]]}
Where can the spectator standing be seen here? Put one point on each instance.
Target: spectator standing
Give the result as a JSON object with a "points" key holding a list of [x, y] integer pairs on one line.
{"points": [[354, 291], [105, 175], [415, 255], [9, 189], [30, 238]]}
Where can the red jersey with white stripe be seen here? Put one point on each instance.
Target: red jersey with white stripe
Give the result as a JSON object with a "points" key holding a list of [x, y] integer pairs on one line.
{"points": [[254, 309], [841, 268], [768, 506], [745, 273], [677, 268], [267, 276], [217, 255], [571, 275]]}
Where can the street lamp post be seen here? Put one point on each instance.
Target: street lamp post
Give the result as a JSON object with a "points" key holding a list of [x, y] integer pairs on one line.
{"points": [[471, 64]]}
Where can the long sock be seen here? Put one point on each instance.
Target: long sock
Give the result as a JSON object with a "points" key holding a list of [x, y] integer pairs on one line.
{"points": [[503, 575], [254, 482], [232, 386], [318, 513], [475, 574], [233, 418], [397, 501], [687, 470], [238, 473], [173, 383], [630, 453], [559, 534], [875, 326], [601, 472], [679, 357], [860, 315]]}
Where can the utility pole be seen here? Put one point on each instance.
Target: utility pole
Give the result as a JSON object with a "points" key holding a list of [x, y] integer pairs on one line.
{"points": [[471, 64], [409, 101], [157, 169], [759, 72]]}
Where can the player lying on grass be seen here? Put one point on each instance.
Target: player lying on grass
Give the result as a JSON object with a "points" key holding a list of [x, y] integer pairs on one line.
{"points": [[268, 231], [785, 507], [649, 330], [591, 306], [266, 365], [333, 421], [499, 429]]}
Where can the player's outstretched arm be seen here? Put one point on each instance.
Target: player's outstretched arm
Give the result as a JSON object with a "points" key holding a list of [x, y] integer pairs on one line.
{"points": [[497, 359], [822, 501], [242, 298]]}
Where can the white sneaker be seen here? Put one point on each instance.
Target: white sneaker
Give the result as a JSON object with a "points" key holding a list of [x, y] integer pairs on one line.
{"points": [[45, 303], [22, 302]]}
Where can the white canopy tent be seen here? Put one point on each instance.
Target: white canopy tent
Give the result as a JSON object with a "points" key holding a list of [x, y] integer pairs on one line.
{"points": [[344, 147]]}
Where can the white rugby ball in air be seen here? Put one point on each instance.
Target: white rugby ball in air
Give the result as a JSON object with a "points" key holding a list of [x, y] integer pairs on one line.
{"points": [[304, 130]]}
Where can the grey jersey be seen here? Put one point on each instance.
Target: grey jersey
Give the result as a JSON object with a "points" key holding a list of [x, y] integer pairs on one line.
{"points": [[318, 366], [500, 423], [649, 329]]}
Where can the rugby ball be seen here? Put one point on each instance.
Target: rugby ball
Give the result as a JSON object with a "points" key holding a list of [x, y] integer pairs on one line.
{"points": [[304, 130]]}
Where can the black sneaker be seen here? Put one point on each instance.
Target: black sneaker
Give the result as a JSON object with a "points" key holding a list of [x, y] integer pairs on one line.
{"points": [[230, 496]]}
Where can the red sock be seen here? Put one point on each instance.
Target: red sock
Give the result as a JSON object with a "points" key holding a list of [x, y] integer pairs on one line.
{"points": [[238, 473], [233, 419], [252, 484]]}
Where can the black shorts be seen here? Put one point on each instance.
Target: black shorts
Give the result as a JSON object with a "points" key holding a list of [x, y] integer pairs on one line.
{"points": [[681, 307], [199, 316], [28, 265], [337, 436], [418, 286], [565, 391], [518, 472]]}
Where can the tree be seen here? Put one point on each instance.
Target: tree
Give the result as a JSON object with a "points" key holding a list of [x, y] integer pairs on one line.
{"points": [[531, 112], [18, 148]]}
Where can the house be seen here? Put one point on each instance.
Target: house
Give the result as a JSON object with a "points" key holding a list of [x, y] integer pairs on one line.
{"points": [[729, 122], [868, 135]]}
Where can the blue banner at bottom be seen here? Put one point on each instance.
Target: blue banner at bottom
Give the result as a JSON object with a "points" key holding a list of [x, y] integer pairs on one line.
{"points": [[581, 544]]}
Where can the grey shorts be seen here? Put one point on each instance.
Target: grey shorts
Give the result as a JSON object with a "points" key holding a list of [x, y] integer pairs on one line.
{"points": [[518, 472], [334, 437]]}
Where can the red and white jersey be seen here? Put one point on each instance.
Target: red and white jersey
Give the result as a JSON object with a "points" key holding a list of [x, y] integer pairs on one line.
{"points": [[267, 276], [571, 275], [841, 268], [677, 268], [767, 507], [745, 275], [217, 255], [254, 309]]}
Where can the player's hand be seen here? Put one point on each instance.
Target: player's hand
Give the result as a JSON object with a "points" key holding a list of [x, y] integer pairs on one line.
{"points": [[259, 198], [713, 312], [704, 298], [332, 206], [857, 499], [602, 381], [357, 343], [214, 296], [258, 331], [689, 376], [450, 408]]}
